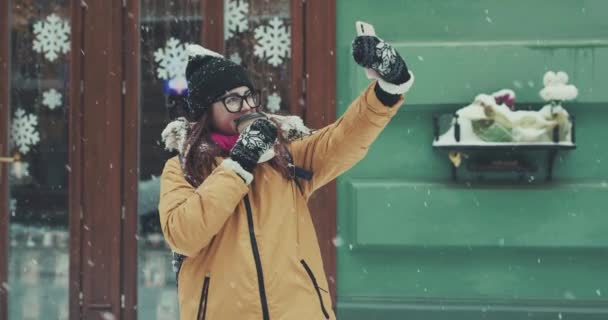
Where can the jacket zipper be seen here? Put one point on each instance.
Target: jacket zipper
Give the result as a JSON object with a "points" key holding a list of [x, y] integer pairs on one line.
{"points": [[316, 285], [202, 305], [258, 261]]}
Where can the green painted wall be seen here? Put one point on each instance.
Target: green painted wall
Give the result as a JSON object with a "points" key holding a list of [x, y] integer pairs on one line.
{"points": [[414, 245]]}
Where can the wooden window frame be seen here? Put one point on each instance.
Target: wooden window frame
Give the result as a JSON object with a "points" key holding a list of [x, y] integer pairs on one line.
{"points": [[4, 149], [320, 110]]}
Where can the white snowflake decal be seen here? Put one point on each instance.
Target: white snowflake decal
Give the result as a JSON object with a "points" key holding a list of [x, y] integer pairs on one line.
{"points": [[236, 58], [20, 170], [13, 205], [235, 17], [172, 59], [274, 103], [52, 37], [23, 131], [52, 99], [273, 42]]}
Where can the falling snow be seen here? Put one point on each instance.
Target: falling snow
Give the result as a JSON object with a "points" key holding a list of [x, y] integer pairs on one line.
{"points": [[569, 295], [23, 131], [52, 37], [273, 42], [274, 103], [52, 99], [172, 60], [235, 17], [338, 241]]}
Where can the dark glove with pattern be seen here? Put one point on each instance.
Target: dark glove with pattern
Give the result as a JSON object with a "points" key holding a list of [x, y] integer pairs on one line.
{"points": [[253, 142], [373, 53]]}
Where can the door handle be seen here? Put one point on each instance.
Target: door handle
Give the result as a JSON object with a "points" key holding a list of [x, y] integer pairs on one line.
{"points": [[15, 158], [7, 159]]}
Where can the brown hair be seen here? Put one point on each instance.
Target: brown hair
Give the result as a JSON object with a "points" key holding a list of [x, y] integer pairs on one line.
{"points": [[201, 152]]}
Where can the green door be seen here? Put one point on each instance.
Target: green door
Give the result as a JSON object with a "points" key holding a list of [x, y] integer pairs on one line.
{"points": [[412, 244]]}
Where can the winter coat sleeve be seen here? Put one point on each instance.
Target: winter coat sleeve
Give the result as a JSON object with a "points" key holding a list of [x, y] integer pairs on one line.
{"points": [[339, 146], [189, 216]]}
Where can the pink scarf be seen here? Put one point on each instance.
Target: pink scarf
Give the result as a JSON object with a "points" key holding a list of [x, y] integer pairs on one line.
{"points": [[225, 142]]}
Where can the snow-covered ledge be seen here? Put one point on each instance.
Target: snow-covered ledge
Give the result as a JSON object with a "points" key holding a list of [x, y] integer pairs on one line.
{"points": [[491, 123]]}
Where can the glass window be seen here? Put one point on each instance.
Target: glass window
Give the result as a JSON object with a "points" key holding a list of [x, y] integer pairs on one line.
{"points": [[38, 219], [166, 28], [257, 35]]}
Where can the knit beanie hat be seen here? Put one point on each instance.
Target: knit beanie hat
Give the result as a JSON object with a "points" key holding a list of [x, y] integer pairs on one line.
{"points": [[209, 76]]}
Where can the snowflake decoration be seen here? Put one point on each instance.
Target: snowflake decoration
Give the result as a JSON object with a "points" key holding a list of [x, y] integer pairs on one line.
{"points": [[20, 170], [236, 58], [235, 17], [23, 131], [51, 99], [52, 37], [254, 139], [172, 59], [388, 56], [274, 103], [13, 205], [273, 42]]}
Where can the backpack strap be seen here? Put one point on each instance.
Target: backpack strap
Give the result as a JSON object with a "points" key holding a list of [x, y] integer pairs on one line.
{"points": [[176, 263], [297, 172]]}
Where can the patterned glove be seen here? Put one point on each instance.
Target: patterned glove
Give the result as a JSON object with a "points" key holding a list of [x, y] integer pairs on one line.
{"points": [[253, 142], [373, 53]]}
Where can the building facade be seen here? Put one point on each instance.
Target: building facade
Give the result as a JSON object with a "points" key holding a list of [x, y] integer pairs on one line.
{"points": [[86, 88]]}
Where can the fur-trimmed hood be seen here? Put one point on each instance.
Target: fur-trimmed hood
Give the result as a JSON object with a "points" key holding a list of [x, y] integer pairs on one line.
{"points": [[176, 132]]}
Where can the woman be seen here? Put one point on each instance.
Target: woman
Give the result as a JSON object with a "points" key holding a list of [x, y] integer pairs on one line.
{"points": [[245, 242]]}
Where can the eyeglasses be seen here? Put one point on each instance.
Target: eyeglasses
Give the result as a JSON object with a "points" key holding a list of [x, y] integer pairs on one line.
{"points": [[234, 102]]}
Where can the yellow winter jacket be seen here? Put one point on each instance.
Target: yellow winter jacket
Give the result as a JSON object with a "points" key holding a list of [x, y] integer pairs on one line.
{"points": [[251, 250]]}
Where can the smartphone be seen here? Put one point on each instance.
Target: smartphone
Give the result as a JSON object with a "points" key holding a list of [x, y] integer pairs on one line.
{"points": [[365, 29]]}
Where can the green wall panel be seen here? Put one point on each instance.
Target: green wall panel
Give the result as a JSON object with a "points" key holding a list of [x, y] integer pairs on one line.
{"points": [[389, 213], [415, 245], [455, 73]]}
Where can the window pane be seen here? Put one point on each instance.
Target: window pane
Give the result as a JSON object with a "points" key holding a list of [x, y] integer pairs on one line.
{"points": [[258, 36], [38, 222], [166, 27]]}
